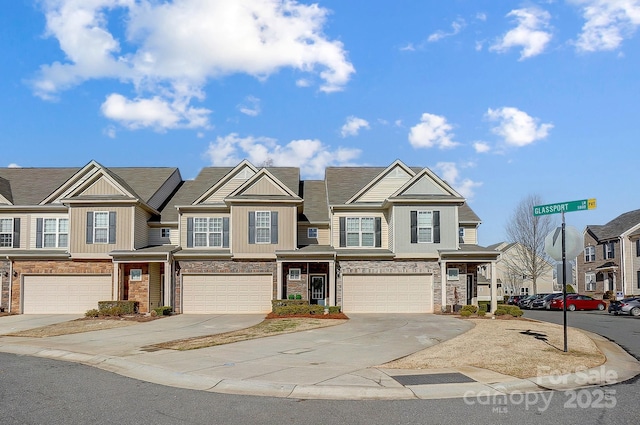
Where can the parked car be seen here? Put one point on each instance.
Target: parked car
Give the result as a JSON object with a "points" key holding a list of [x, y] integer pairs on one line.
{"points": [[513, 299], [526, 301], [629, 306], [543, 301], [577, 302]]}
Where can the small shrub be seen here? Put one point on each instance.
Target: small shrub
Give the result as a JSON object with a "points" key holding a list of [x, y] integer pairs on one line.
{"points": [[118, 308], [473, 309], [481, 313], [291, 297], [570, 289], [484, 305], [92, 313], [163, 311], [298, 297], [465, 313], [334, 309], [500, 312]]}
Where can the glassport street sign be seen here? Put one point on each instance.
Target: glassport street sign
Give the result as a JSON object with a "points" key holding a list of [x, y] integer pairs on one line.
{"points": [[562, 207]]}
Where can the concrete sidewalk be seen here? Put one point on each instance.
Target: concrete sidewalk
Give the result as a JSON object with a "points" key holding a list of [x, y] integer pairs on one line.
{"points": [[336, 362]]}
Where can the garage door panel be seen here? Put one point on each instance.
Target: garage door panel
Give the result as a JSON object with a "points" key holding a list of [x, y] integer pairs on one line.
{"points": [[227, 293], [64, 294], [387, 293]]}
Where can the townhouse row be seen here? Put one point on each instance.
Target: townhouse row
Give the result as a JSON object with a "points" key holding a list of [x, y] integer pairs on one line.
{"points": [[369, 239]]}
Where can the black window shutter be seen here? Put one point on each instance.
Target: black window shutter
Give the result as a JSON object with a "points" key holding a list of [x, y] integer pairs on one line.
{"points": [[378, 236], [39, 242], [613, 250], [638, 248], [16, 233], [112, 227], [436, 227], [414, 226], [343, 232], [89, 238], [252, 227], [189, 232], [225, 232], [274, 227], [604, 251]]}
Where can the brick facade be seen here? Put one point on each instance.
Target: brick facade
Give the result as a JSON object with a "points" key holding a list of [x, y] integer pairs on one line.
{"points": [[52, 267], [5, 267], [585, 266], [136, 290]]}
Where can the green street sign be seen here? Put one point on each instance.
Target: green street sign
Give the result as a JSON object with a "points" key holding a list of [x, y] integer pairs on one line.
{"points": [[563, 207]]}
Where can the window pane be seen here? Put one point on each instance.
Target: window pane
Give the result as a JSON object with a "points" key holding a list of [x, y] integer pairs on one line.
{"points": [[6, 240], [50, 225], [263, 219], [367, 239], [263, 235], [353, 224], [101, 219], [424, 234], [49, 241], [424, 218], [216, 225], [353, 239], [200, 239], [63, 239], [215, 239], [6, 225], [101, 236], [367, 224], [200, 224]]}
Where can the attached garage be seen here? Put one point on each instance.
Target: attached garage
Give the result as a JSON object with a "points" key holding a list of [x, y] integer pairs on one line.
{"points": [[64, 294], [226, 293], [387, 293]]}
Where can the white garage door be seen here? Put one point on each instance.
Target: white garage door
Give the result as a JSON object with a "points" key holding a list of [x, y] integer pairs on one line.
{"points": [[64, 294], [226, 293], [398, 293]]}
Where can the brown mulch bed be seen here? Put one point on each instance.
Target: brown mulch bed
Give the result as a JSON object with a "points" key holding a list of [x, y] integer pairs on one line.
{"points": [[310, 316]]}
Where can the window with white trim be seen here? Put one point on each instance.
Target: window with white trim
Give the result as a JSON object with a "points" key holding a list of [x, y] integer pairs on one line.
{"points": [[207, 231], [101, 227], [312, 233], [461, 234], [55, 232], [590, 281], [425, 226], [165, 232], [6, 233], [609, 250], [453, 274], [590, 254], [263, 226], [524, 291], [360, 231], [294, 274]]}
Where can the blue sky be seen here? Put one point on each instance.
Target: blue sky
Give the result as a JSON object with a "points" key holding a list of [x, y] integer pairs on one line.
{"points": [[501, 99]]}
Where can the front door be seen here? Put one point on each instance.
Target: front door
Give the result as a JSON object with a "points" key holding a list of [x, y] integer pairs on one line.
{"points": [[317, 289]]}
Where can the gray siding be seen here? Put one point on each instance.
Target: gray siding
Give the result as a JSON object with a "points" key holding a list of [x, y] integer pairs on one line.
{"points": [[402, 230]]}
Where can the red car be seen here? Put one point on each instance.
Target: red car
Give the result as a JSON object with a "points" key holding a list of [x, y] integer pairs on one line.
{"points": [[578, 302]]}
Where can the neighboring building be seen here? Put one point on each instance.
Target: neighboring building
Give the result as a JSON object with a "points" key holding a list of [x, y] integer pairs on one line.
{"points": [[611, 258], [511, 280], [370, 239]]}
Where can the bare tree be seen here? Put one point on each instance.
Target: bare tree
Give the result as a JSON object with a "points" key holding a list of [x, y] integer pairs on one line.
{"points": [[528, 233]]}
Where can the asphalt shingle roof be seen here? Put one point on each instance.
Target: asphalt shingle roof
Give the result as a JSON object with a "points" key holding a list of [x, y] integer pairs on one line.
{"points": [[615, 227], [30, 186], [314, 193]]}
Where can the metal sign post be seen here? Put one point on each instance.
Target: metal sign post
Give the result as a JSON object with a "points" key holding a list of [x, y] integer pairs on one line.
{"points": [[564, 282]]}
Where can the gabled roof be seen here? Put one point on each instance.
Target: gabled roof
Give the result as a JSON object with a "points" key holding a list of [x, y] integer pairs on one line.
{"points": [[397, 164], [265, 175], [466, 214], [442, 186], [225, 178], [345, 182], [30, 186], [616, 227]]}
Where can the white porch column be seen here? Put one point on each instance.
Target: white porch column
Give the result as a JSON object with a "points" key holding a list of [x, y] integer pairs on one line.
{"points": [[443, 283], [279, 279], [116, 281], [494, 287], [332, 283], [168, 277]]}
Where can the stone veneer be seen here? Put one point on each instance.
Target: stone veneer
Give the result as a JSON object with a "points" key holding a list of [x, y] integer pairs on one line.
{"points": [[137, 290], [225, 266], [4, 284], [52, 267]]}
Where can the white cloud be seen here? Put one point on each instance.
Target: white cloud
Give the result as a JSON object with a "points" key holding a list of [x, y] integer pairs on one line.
{"points": [[251, 106], [608, 23], [110, 132], [170, 50], [449, 172], [311, 156], [531, 33], [13, 165], [408, 48], [481, 147], [456, 27], [353, 125], [433, 130], [517, 127], [481, 16]]}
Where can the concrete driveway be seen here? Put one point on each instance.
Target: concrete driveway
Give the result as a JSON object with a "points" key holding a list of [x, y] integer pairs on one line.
{"points": [[21, 322]]}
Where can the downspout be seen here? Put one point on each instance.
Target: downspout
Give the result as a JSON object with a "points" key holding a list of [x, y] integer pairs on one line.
{"points": [[10, 282]]}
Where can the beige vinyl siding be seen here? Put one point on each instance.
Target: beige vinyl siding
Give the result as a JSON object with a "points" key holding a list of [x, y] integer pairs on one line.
{"points": [[264, 186], [102, 186], [287, 227], [33, 227], [425, 186], [470, 235], [183, 226], [165, 190], [154, 285], [155, 236], [228, 187], [78, 231], [324, 235], [335, 224], [386, 187], [141, 230], [402, 230]]}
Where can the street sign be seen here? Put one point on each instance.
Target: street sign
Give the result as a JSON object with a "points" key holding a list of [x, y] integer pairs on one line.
{"points": [[563, 207]]}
